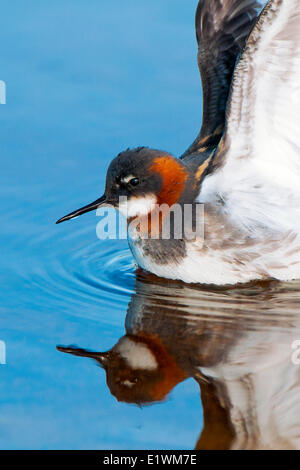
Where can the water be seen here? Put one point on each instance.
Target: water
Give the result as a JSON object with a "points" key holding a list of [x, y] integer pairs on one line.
{"points": [[85, 81]]}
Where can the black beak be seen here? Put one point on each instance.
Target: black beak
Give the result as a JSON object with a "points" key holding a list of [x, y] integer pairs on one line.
{"points": [[101, 358], [90, 207]]}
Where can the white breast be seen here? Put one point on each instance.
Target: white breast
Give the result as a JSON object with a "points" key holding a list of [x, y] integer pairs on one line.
{"points": [[277, 258]]}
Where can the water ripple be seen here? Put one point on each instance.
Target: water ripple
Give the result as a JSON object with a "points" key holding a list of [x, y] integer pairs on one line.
{"points": [[71, 269]]}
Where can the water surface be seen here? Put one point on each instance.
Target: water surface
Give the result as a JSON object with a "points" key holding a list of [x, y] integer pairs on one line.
{"points": [[84, 81]]}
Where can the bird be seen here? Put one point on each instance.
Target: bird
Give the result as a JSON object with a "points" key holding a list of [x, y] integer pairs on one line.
{"points": [[243, 169]]}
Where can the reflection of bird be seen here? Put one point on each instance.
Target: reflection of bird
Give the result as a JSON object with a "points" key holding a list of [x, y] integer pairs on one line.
{"points": [[245, 168], [235, 344], [139, 369]]}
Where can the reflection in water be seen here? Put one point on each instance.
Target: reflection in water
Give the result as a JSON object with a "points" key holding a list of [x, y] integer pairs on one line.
{"points": [[236, 343]]}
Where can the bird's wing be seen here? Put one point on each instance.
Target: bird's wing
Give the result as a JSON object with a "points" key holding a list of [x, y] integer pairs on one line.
{"points": [[258, 159], [222, 28]]}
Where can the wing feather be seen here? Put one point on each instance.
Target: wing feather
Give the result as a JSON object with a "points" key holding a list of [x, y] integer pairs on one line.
{"points": [[222, 28], [263, 118], [259, 155]]}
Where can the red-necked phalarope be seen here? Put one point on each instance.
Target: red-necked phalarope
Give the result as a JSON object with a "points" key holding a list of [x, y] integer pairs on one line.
{"points": [[244, 166]]}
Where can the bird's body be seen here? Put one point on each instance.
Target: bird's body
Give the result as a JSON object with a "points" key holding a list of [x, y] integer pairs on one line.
{"points": [[244, 166]]}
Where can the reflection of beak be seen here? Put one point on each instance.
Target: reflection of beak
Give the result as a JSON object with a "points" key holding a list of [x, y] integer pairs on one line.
{"points": [[102, 358], [90, 207]]}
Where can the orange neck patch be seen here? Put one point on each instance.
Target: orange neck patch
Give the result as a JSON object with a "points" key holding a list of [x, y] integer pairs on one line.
{"points": [[171, 373], [174, 177]]}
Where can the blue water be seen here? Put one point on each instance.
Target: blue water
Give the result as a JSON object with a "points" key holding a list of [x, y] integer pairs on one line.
{"points": [[84, 81]]}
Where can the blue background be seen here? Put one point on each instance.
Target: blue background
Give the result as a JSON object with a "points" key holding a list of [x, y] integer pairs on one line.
{"points": [[84, 80]]}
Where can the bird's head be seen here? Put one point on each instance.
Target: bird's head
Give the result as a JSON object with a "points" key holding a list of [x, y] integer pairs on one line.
{"points": [[138, 369], [141, 178]]}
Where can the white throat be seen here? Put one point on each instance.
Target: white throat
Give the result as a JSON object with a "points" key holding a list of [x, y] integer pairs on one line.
{"points": [[137, 206], [137, 355]]}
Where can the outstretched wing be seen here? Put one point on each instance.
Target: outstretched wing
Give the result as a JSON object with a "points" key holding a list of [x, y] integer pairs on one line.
{"points": [[222, 28], [259, 155]]}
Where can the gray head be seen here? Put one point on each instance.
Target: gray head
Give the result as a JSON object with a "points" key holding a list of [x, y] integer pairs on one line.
{"points": [[144, 177]]}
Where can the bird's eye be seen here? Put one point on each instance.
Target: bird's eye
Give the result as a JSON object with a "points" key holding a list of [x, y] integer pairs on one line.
{"points": [[134, 182]]}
